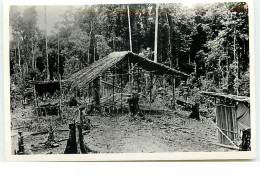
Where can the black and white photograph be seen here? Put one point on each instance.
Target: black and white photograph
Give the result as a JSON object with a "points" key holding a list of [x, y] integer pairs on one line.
{"points": [[139, 81]]}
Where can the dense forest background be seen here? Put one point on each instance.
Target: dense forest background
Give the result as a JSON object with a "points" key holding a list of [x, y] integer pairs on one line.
{"points": [[209, 41]]}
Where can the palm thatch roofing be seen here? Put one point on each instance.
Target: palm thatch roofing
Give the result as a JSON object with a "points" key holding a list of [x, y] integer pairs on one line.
{"points": [[88, 74], [227, 96]]}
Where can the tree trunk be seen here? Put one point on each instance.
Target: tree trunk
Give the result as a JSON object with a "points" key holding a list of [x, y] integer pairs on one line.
{"points": [[169, 40], [71, 147], [92, 55], [129, 24], [236, 59], [19, 61], [32, 56], [156, 34], [46, 42]]}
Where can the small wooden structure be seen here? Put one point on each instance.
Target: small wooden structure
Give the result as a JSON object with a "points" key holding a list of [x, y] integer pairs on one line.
{"points": [[42, 89], [121, 69], [232, 116]]}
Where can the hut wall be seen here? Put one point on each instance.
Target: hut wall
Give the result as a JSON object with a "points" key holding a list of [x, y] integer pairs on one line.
{"points": [[227, 123]]}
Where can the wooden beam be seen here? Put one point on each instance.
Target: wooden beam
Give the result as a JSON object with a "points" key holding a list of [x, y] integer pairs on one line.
{"points": [[173, 92], [104, 82]]}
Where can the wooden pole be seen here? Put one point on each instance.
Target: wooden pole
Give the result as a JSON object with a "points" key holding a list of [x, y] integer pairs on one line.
{"points": [[46, 42], [226, 146], [150, 93], [36, 103], [156, 34], [113, 87], [173, 92], [138, 80], [129, 24], [226, 136], [89, 92], [129, 70], [104, 82], [132, 74]]}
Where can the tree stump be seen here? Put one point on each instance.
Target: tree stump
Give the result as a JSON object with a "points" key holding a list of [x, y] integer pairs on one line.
{"points": [[195, 112], [246, 136], [71, 147], [75, 143], [20, 143]]}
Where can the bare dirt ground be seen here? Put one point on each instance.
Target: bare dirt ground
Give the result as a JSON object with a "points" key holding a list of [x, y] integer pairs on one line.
{"points": [[160, 133], [173, 132]]}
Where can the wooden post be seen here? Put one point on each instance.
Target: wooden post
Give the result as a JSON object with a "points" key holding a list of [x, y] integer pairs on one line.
{"points": [[129, 71], [156, 34], [150, 93], [173, 92], [89, 92], [138, 80], [35, 99], [113, 87], [132, 74], [129, 24]]}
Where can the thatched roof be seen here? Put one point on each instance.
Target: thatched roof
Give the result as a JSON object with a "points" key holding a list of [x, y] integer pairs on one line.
{"points": [[227, 96], [88, 74]]}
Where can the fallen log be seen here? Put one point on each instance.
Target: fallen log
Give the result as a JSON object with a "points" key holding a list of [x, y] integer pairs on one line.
{"points": [[39, 133], [45, 132], [63, 140], [17, 128], [61, 130]]}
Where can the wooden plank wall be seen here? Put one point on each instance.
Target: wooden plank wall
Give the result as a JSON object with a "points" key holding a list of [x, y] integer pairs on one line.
{"points": [[227, 122]]}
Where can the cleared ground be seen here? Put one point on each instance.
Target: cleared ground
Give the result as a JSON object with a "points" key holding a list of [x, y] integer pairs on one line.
{"points": [[172, 132]]}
